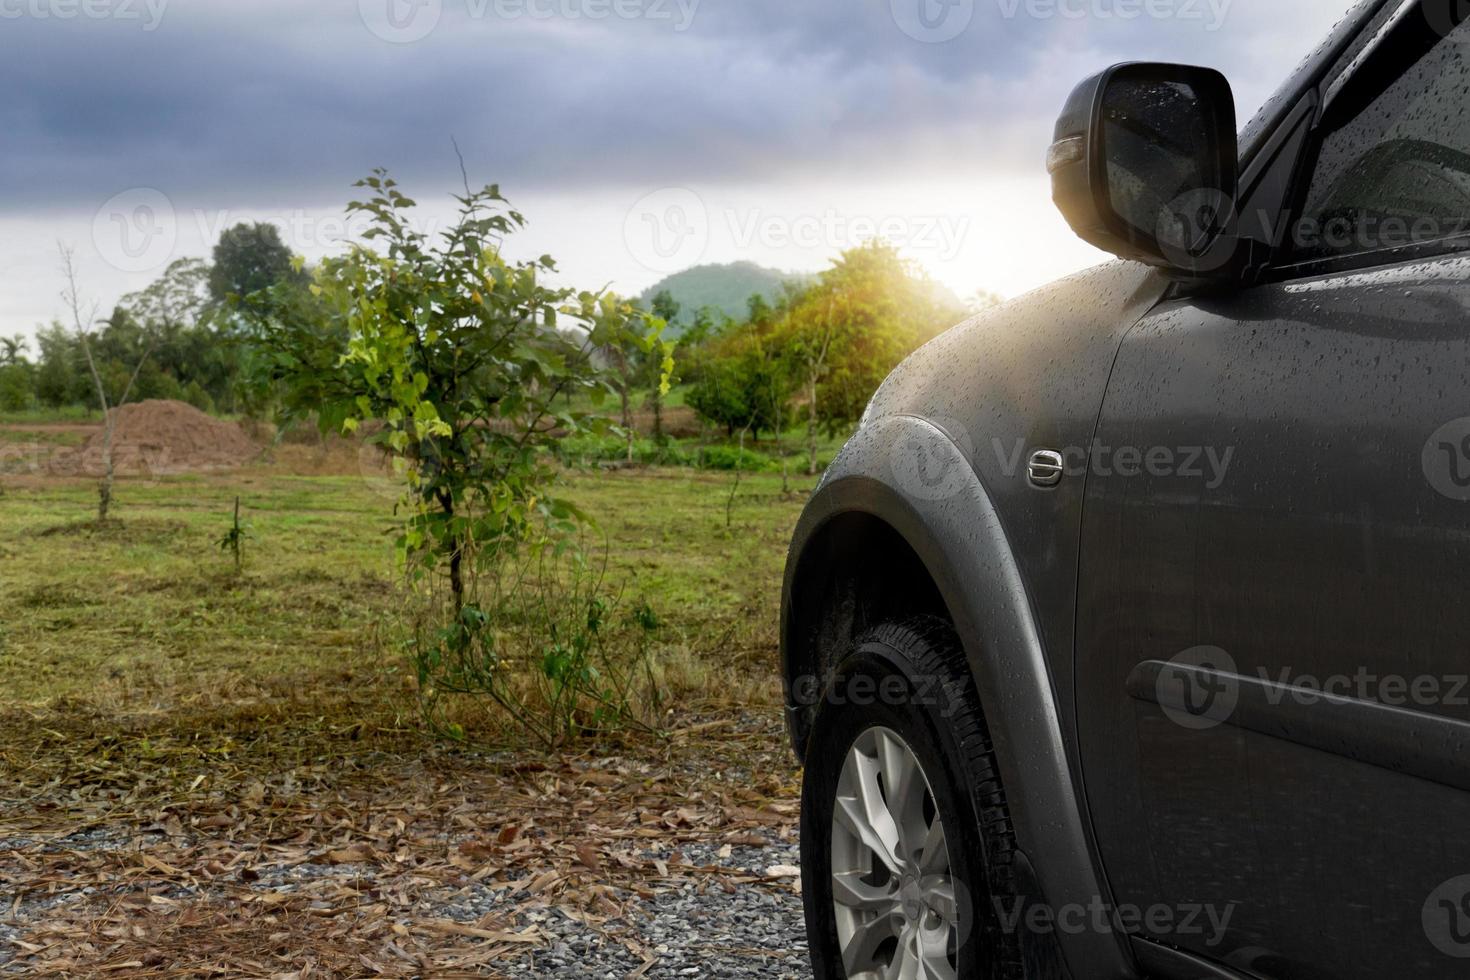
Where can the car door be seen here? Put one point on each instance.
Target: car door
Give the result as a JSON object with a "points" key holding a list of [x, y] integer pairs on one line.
{"points": [[1278, 504]]}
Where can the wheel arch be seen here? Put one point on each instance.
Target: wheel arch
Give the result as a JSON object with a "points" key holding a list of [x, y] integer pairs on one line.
{"points": [[854, 572], [873, 543]]}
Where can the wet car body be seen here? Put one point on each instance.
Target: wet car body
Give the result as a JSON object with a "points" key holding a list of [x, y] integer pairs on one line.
{"points": [[1167, 503]]}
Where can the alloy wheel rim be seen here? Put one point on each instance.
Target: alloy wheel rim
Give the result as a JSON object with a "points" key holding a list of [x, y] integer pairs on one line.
{"points": [[892, 888]]}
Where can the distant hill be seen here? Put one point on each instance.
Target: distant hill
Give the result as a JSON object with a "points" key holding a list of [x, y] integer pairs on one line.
{"points": [[723, 287]]}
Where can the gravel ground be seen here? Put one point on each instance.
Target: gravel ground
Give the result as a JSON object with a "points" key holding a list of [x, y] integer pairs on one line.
{"points": [[703, 927], [755, 931]]}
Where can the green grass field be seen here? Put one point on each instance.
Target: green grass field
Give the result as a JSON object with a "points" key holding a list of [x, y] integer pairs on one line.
{"points": [[50, 416], [148, 618]]}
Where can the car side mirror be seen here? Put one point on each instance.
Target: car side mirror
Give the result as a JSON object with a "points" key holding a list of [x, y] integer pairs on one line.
{"points": [[1145, 166]]}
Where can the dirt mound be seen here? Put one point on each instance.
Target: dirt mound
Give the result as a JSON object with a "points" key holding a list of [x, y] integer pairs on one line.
{"points": [[680, 422], [158, 437]]}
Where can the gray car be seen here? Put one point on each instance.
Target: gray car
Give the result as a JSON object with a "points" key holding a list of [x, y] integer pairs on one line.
{"points": [[1129, 635]]}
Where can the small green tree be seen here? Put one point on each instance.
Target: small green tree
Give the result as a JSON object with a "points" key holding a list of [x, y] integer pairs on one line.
{"points": [[746, 387], [17, 375], [17, 387], [863, 316], [234, 538], [635, 359], [656, 370], [719, 396], [457, 351]]}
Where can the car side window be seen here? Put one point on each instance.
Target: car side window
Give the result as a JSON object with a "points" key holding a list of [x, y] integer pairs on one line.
{"points": [[1397, 172]]}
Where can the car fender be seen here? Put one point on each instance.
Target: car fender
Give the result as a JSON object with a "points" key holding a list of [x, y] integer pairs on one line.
{"points": [[910, 473]]}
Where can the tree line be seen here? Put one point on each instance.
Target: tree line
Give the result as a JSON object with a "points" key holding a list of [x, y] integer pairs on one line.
{"points": [[807, 360], [179, 338]]}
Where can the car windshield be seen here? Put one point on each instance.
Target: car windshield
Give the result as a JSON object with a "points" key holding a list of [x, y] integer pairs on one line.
{"points": [[1398, 171], [1253, 134]]}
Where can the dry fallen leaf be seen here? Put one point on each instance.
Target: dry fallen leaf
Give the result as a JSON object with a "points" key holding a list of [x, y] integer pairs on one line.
{"points": [[588, 857]]}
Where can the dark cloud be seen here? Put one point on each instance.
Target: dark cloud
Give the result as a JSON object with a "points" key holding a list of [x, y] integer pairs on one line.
{"points": [[275, 103]]}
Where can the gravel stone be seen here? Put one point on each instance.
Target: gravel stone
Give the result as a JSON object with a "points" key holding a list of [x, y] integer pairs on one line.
{"points": [[695, 928]]}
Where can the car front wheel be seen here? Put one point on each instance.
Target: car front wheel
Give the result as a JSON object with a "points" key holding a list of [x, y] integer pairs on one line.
{"points": [[906, 843]]}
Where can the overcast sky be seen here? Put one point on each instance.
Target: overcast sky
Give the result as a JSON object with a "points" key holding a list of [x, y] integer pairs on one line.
{"points": [[638, 136]]}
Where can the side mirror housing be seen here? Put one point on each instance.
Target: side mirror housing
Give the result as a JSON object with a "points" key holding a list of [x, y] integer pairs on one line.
{"points": [[1145, 166]]}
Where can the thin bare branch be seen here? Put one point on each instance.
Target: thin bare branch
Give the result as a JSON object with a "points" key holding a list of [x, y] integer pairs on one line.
{"points": [[81, 324]]}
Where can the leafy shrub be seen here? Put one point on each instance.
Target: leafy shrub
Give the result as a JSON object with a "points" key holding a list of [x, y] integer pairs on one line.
{"points": [[587, 451], [734, 458], [557, 657], [16, 389], [747, 387]]}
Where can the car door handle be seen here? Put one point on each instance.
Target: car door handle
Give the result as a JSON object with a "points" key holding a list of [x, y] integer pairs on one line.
{"points": [[1046, 469]]}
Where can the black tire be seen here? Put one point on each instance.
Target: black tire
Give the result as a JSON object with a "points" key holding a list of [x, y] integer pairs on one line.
{"points": [[938, 715]]}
